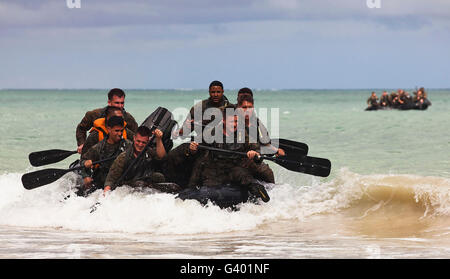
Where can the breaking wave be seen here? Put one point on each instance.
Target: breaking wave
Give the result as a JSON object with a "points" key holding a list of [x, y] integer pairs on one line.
{"points": [[368, 199]]}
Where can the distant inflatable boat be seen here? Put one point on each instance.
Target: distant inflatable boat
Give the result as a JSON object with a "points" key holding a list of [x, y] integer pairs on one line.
{"points": [[415, 106]]}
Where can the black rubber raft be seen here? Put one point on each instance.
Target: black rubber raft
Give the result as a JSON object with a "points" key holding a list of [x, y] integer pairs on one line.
{"points": [[410, 106]]}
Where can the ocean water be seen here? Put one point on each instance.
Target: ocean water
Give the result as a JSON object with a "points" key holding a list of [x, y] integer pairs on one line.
{"points": [[388, 195]]}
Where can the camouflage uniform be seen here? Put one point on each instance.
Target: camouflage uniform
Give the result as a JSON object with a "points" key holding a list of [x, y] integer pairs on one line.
{"points": [[372, 101], [216, 168], [180, 162], [384, 99], [88, 120], [144, 170], [393, 98], [100, 151], [179, 165], [203, 106], [261, 171]]}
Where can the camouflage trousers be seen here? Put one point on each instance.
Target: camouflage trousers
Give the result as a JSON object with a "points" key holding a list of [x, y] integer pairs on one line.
{"points": [[260, 171], [213, 174]]}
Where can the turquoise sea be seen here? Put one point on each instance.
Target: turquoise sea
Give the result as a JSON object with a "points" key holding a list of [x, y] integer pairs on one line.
{"points": [[388, 194]]}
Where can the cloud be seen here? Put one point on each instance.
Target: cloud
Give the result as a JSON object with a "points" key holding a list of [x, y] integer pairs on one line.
{"points": [[103, 13], [268, 43]]}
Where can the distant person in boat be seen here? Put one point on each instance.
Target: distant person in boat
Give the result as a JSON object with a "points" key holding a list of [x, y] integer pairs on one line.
{"points": [[372, 102], [424, 93], [405, 100], [394, 100], [216, 99], [420, 100], [99, 130], [418, 96], [212, 169], [116, 98], [384, 100], [256, 133], [94, 175], [143, 173], [421, 92]]}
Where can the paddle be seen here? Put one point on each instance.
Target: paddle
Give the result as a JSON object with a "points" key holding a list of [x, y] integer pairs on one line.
{"points": [[46, 157], [43, 177], [294, 148], [309, 165], [291, 148]]}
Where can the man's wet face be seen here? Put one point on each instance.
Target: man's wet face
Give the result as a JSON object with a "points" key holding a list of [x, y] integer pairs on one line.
{"points": [[230, 122], [216, 93], [140, 142], [115, 133], [118, 102], [246, 108]]}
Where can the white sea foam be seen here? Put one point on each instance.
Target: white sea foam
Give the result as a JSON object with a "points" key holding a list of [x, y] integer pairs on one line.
{"points": [[126, 210]]}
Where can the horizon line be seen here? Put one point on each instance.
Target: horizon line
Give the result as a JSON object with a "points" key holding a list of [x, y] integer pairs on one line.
{"points": [[232, 89]]}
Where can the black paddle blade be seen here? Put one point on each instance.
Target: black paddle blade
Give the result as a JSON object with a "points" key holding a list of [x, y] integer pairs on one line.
{"points": [[161, 119], [292, 148], [309, 165], [46, 157], [42, 177]]}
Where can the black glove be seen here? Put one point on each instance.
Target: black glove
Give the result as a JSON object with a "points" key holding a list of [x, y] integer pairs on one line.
{"points": [[259, 191]]}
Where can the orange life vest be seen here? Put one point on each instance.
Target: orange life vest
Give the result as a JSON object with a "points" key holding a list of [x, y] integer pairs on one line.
{"points": [[100, 127]]}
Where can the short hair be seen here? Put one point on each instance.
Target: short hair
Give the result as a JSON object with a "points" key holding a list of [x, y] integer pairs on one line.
{"points": [[115, 92], [215, 83], [109, 111], [245, 97], [144, 131], [115, 121], [224, 110], [245, 90]]}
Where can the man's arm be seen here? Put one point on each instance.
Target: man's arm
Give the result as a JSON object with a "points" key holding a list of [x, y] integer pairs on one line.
{"points": [[160, 150], [91, 140], [86, 160], [85, 125], [115, 172]]}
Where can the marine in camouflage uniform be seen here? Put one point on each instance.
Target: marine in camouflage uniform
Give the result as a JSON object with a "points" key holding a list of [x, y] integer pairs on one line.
{"points": [[213, 168], [99, 130], [179, 164], [393, 99], [384, 100], [88, 120], [109, 147], [256, 133], [143, 170], [372, 101], [130, 168], [216, 100]]}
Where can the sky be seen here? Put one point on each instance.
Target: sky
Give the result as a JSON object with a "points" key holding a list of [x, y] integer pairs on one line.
{"points": [[261, 44]]}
